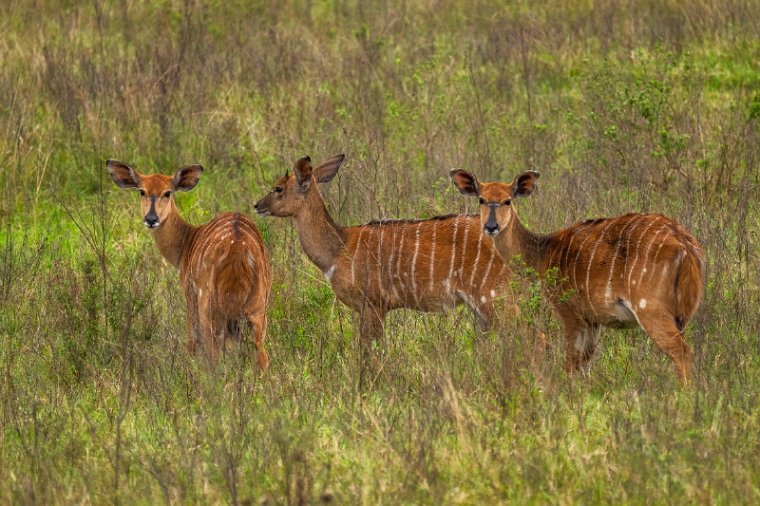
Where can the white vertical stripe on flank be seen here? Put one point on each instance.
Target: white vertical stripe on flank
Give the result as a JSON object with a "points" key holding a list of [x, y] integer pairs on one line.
{"points": [[356, 256], [206, 239], [638, 249], [453, 251], [591, 260], [608, 291], [392, 273], [580, 250], [401, 254], [657, 253], [639, 221], [646, 253], [432, 254], [414, 258], [477, 257], [488, 269], [464, 248], [380, 260], [569, 248]]}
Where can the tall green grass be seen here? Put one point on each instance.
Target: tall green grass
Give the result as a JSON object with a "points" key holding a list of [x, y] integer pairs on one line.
{"points": [[622, 106]]}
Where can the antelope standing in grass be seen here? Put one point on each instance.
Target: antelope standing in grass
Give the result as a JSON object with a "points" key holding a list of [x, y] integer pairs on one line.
{"points": [[637, 269], [223, 265], [427, 265]]}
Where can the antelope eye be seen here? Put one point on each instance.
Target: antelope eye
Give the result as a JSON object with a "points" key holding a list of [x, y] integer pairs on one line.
{"points": [[482, 201], [167, 195], [278, 189], [142, 192], [507, 202]]}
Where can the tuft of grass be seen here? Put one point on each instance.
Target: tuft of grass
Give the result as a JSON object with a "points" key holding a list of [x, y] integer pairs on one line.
{"points": [[638, 106]]}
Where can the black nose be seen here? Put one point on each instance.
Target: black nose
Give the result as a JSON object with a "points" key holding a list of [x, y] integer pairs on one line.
{"points": [[491, 229], [256, 205], [151, 220]]}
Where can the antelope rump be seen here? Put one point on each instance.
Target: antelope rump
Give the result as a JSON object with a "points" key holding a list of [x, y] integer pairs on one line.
{"points": [[636, 269]]}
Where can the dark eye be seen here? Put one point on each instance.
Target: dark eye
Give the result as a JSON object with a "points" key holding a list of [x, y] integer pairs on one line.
{"points": [[278, 189], [167, 195], [142, 192], [482, 201], [507, 202]]}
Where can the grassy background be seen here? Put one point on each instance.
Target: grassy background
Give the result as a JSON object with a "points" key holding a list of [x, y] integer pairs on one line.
{"points": [[621, 105]]}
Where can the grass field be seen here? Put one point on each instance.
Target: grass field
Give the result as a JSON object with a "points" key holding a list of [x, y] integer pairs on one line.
{"points": [[621, 105]]}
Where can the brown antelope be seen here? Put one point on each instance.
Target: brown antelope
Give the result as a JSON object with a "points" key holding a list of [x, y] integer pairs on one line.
{"points": [[223, 265], [427, 265], [642, 269]]}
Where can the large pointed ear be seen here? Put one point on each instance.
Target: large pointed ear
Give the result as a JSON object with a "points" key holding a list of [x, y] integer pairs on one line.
{"points": [[327, 170], [303, 172], [466, 182], [524, 184], [122, 174], [187, 177]]}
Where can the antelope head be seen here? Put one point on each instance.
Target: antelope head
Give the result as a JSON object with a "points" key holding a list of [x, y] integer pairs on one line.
{"points": [[290, 193], [496, 210], [156, 190]]}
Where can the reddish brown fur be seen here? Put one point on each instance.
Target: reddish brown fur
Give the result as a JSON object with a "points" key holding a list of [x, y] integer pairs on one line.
{"points": [[427, 265], [637, 269], [223, 265]]}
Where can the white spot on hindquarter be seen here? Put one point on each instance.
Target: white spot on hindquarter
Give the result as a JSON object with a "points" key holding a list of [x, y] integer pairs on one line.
{"points": [[482, 298], [330, 272], [493, 293], [643, 303]]}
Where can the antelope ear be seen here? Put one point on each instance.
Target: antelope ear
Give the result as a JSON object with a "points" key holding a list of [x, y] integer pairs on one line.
{"points": [[187, 177], [122, 174], [303, 172], [524, 184], [327, 170], [466, 182]]}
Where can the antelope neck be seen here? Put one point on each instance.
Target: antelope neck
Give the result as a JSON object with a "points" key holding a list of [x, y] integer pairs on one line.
{"points": [[173, 237], [321, 238], [532, 248]]}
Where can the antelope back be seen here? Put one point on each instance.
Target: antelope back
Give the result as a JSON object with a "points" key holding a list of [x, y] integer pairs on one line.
{"points": [[424, 263]]}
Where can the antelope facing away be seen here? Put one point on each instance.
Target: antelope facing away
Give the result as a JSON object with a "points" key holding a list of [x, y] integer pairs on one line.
{"points": [[427, 265], [223, 266], [637, 269]]}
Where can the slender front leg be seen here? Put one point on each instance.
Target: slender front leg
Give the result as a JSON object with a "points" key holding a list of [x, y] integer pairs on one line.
{"points": [[576, 333], [372, 324]]}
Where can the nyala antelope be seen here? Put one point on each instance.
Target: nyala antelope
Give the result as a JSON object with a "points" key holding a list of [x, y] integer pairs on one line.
{"points": [[427, 265], [223, 265], [637, 269]]}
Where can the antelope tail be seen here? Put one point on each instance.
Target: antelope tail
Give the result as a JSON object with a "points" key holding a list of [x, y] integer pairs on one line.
{"points": [[689, 284]]}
